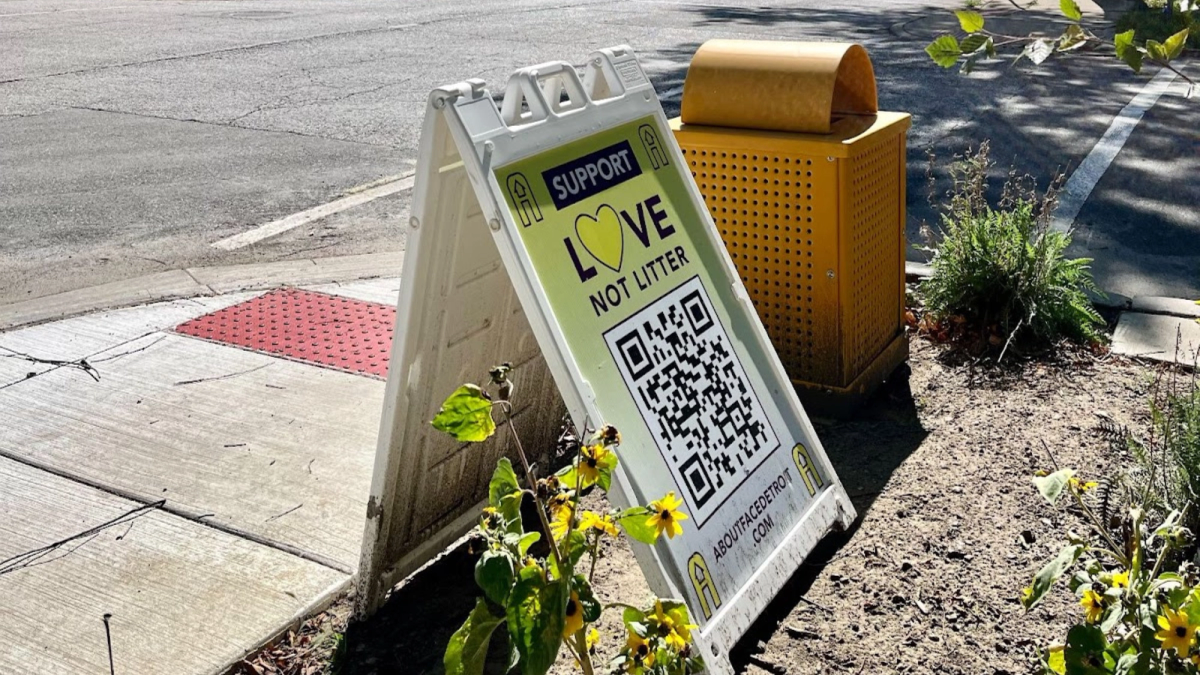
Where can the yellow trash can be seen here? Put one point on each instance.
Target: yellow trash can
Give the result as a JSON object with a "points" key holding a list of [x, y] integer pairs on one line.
{"points": [[805, 180]]}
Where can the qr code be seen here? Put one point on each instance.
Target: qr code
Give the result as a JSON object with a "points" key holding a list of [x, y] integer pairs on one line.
{"points": [[694, 395]]}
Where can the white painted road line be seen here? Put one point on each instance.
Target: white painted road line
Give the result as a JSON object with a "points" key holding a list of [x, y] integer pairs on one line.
{"points": [[315, 213], [1081, 183]]}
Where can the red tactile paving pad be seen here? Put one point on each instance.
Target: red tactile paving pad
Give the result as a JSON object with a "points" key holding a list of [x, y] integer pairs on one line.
{"points": [[327, 330]]}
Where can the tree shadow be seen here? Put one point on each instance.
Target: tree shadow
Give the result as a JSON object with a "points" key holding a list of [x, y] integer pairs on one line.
{"points": [[1041, 120]]}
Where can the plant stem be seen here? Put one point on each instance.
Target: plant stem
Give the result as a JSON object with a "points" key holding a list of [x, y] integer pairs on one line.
{"points": [[575, 510], [585, 661], [574, 652], [595, 550], [531, 477], [1099, 527]]}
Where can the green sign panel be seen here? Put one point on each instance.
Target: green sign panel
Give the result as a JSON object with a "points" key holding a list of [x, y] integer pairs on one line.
{"points": [[643, 295]]}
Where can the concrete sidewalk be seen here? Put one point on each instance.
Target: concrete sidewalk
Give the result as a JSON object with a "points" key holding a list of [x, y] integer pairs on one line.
{"points": [[204, 495], [237, 481]]}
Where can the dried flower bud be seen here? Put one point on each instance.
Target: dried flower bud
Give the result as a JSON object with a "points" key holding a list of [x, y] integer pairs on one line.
{"points": [[609, 435]]}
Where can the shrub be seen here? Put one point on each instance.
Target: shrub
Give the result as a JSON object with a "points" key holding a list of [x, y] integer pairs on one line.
{"points": [[1152, 22], [1000, 272]]}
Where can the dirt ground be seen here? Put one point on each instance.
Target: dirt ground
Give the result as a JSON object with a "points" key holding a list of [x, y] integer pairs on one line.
{"points": [[950, 529]]}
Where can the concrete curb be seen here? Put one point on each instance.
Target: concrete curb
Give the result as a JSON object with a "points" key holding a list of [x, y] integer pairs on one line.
{"points": [[1178, 307], [196, 281]]}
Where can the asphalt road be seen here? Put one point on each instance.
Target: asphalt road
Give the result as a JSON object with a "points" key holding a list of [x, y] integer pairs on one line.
{"points": [[134, 133]]}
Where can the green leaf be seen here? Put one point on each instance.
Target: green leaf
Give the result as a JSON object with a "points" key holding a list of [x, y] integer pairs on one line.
{"points": [[587, 599], [636, 523], [632, 615], [1112, 615], [1175, 44], [1072, 38], [971, 21], [503, 483], [606, 467], [1155, 50], [1045, 578], [527, 540], [494, 574], [973, 43], [536, 612], [1084, 654], [510, 510], [944, 51], [1126, 664], [1070, 9], [1168, 524], [1127, 51], [466, 415], [467, 651], [1052, 486], [575, 545]]}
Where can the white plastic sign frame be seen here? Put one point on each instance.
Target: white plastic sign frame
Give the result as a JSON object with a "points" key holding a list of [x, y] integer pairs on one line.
{"points": [[782, 495]]}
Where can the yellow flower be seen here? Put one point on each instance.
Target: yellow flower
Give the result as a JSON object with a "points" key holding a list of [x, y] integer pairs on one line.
{"points": [[561, 523], [640, 654], [593, 639], [667, 516], [574, 617], [679, 617], [594, 521], [1082, 486], [1120, 579], [664, 624], [1175, 632], [558, 502], [1095, 604], [590, 459]]}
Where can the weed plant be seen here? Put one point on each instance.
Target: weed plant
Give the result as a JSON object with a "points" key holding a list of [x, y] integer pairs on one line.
{"points": [[1001, 277], [1165, 476]]}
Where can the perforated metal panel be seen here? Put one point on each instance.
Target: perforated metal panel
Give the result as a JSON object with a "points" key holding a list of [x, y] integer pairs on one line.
{"points": [[815, 226], [777, 234], [872, 288]]}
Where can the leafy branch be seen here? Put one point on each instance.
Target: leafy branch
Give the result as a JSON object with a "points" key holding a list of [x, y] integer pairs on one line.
{"points": [[980, 43]]}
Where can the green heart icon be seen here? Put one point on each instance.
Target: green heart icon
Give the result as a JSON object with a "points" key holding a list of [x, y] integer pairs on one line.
{"points": [[603, 236]]}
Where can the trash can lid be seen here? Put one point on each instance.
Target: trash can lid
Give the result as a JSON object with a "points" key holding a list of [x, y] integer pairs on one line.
{"points": [[778, 86]]}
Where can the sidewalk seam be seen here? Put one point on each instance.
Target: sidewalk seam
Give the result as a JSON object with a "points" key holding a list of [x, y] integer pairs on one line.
{"points": [[188, 270], [181, 512]]}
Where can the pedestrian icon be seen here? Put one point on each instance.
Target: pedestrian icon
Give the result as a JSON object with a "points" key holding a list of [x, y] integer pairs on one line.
{"points": [[653, 146], [522, 196]]}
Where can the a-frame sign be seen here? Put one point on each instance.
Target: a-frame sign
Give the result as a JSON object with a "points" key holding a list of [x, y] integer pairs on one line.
{"points": [[576, 189]]}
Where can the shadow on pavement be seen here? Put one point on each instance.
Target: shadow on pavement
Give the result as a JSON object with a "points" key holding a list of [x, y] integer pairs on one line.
{"points": [[1040, 120]]}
